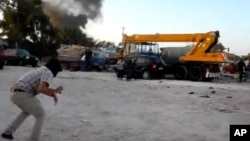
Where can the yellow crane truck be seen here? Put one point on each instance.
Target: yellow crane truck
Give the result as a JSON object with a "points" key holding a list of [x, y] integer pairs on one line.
{"points": [[198, 62]]}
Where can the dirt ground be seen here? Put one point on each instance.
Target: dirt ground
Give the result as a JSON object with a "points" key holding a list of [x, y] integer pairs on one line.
{"points": [[97, 107]]}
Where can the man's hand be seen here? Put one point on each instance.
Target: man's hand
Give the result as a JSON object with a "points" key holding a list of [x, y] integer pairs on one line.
{"points": [[59, 89]]}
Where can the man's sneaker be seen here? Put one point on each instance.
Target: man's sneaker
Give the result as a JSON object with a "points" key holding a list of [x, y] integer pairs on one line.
{"points": [[7, 136]]}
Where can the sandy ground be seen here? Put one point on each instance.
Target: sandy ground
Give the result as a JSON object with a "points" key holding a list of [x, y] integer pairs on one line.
{"points": [[97, 107]]}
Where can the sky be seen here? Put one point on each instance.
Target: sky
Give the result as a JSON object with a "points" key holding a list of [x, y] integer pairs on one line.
{"points": [[230, 17]]}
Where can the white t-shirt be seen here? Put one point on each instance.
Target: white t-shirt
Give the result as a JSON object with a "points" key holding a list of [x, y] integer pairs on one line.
{"points": [[83, 58], [120, 65], [246, 62]]}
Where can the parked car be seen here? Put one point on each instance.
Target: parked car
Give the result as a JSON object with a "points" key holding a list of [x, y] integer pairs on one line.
{"points": [[2, 57], [147, 66], [230, 67], [22, 58]]}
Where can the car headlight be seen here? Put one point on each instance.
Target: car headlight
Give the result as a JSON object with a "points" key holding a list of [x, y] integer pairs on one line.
{"points": [[27, 57]]}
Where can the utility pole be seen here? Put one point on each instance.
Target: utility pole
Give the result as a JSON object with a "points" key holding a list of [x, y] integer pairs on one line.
{"points": [[123, 29]]}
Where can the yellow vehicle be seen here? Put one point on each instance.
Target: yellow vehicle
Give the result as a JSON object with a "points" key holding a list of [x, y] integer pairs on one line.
{"points": [[201, 61]]}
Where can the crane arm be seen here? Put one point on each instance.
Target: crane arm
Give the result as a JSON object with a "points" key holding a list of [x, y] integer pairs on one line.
{"points": [[138, 38]]}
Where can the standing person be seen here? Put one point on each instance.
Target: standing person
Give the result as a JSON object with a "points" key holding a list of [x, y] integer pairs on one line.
{"points": [[247, 71], [23, 94], [120, 68], [241, 67], [246, 61], [129, 66], [83, 63]]}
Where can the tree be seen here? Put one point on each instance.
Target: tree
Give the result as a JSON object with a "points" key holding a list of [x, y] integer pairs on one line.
{"points": [[24, 19]]}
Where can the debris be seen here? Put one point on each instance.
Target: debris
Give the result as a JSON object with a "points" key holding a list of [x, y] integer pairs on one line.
{"points": [[75, 135], [191, 93], [213, 92], [205, 96], [160, 81], [85, 121], [229, 97], [211, 87]]}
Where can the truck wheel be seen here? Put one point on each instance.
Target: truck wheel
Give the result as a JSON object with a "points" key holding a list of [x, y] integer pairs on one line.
{"points": [[196, 73], [181, 73], [145, 75]]}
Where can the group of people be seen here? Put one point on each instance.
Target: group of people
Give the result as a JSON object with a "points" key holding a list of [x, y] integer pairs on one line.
{"points": [[243, 69], [125, 67]]}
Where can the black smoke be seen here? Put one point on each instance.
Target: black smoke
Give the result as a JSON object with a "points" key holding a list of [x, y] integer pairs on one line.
{"points": [[72, 13]]}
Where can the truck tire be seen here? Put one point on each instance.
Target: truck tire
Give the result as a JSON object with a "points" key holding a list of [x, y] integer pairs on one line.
{"points": [[196, 73], [181, 73]]}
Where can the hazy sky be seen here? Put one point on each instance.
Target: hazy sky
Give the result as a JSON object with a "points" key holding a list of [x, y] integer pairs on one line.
{"points": [[230, 17]]}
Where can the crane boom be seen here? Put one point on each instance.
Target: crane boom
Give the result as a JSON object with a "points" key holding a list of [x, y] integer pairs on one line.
{"points": [[138, 38]]}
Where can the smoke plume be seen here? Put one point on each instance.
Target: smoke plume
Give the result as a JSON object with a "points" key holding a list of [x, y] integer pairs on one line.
{"points": [[72, 13]]}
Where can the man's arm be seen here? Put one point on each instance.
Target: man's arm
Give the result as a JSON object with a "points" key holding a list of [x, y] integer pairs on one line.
{"points": [[44, 89]]}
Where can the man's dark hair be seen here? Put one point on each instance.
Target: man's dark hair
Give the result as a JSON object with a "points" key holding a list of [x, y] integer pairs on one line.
{"points": [[54, 66]]}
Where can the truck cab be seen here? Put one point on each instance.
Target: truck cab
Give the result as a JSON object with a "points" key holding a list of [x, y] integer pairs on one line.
{"points": [[98, 60]]}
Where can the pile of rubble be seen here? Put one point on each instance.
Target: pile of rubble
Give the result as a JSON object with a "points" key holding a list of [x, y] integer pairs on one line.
{"points": [[71, 50]]}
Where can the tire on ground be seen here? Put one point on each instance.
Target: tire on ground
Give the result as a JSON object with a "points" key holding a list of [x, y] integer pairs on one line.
{"points": [[196, 73], [181, 73]]}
